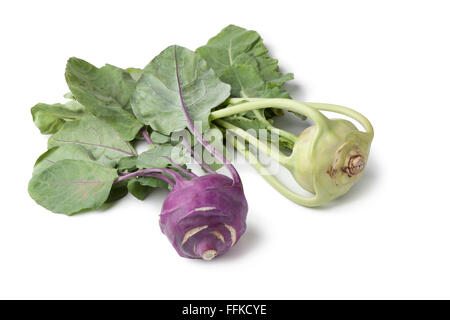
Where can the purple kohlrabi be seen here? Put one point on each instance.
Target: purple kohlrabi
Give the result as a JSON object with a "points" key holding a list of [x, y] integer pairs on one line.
{"points": [[205, 216]]}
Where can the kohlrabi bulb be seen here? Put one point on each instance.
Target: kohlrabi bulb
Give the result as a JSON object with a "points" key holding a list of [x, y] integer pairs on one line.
{"points": [[326, 159], [205, 216], [330, 159]]}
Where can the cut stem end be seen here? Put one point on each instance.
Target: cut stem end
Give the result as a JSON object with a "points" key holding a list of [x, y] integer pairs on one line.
{"points": [[209, 254], [355, 165]]}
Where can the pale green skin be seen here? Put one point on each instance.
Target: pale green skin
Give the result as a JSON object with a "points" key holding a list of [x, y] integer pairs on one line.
{"points": [[321, 153]]}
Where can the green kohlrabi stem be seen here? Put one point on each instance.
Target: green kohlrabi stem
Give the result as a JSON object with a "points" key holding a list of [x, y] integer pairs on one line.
{"points": [[270, 178], [282, 133], [317, 106], [269, 151], [345, 111], [261, 103]]}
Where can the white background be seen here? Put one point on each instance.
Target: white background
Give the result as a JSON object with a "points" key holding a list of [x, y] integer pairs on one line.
{"points": [[387, 238]]}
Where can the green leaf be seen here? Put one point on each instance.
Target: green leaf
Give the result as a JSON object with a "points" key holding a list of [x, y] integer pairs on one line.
{"points": [[232, 46], [127, 164], [240, 58], [109, 84], [246, 123], [49, 118], [152, 182], [69, 96], [245, 81], [70, 186], [106, 93], [55, 154], [286, 144], [140, 187], [103, 142], [135, 73], [118, 191], [159, 137], [138, 190], [154, 158], [175, 77]]}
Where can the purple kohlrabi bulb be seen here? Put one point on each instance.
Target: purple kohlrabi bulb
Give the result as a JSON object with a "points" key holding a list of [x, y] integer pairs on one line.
{"points": [[205, 216]]}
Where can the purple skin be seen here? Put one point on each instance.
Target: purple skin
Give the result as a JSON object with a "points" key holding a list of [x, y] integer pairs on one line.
{"points": [[205, 216], [146, 136]]}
